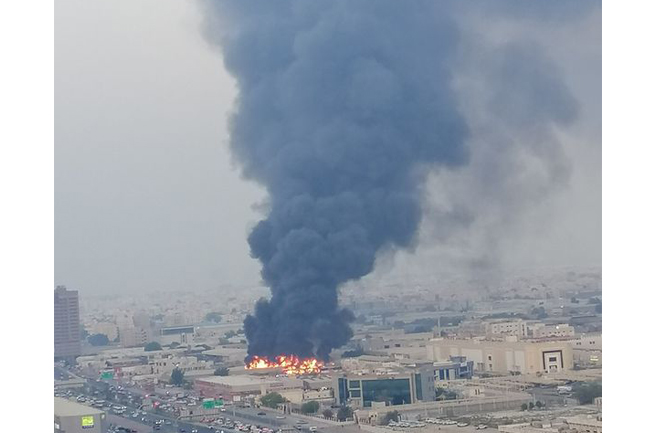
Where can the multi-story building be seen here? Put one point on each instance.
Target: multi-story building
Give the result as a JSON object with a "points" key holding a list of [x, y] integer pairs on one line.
{"points": [[70, 417], [458, 367], [177, 334], [503, 328], [134, 336], [67, 329], [525, 357], [588, 350], [397, 388], [542, 330]]}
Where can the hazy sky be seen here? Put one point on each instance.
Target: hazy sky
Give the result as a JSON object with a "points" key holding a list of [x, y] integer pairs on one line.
{"points": [[146, 195]]}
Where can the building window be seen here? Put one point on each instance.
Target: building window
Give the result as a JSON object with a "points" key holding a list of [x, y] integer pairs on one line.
{"points": [[354, 384], [489, 357]]}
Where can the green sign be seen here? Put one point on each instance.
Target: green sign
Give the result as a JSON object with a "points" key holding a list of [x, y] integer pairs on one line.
{"points": [[212, 403], [107, 375]]}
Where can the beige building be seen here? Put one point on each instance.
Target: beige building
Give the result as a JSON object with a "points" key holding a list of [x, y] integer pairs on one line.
{"points": [[541, 330], [233, 388], [504, 328], [588, 349], [134, 337], [71, 417], [585, 424], [525, 357]]}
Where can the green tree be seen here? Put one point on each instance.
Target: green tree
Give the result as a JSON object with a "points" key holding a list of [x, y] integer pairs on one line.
{"points": [[230, 334], [154, 345], [328, 414], [310, 407], [221, 371], [531, 405], [539, 404], [177, 377], [84, 333], [272, 400], [524, 406], [98, 340], [586, 392], [393, 415], [445, 394], [344, 413], [213, 317]]}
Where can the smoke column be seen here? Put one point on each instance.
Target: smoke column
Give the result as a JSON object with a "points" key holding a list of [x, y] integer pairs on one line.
{"points": [[344, 109]]}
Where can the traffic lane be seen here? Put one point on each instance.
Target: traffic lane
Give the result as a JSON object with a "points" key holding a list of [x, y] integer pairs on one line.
{"points": [[129, 423], [271, 418]]}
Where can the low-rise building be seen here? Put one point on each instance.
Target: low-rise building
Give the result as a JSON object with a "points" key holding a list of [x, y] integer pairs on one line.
{"points": [[585, 424], [458, 367], [71, 417], [588, 350], [543, 330], [234, 388], [525, 357], [392, 388]]}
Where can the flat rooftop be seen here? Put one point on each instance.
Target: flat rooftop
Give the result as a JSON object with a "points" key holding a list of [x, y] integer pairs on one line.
{"points": [[236, 380], [63, 407]]}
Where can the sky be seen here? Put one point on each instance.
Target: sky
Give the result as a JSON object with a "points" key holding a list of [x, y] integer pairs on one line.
{"points": [[147, 196]]}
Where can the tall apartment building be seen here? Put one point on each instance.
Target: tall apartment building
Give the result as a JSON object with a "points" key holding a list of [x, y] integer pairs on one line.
{"points": [[67, 330]]}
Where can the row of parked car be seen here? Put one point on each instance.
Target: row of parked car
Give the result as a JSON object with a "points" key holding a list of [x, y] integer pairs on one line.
{"points": [[438, 421]]}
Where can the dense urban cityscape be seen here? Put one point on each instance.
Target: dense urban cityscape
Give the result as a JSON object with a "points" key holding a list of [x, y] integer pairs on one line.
{"points": [[525, 356], [290, 216]]}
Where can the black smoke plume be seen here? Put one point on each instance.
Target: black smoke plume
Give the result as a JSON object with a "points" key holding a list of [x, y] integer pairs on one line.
{"points": [[344, 107]]}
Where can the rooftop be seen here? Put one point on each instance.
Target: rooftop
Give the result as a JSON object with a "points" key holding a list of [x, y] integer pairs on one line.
{"points": [[63, 407], [236, 380]]}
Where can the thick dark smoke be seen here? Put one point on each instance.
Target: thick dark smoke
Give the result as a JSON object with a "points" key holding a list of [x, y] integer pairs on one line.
{"points": [[344, 109]]}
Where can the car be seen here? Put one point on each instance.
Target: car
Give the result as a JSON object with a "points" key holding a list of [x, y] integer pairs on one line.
{"points": [[261, 413], [280, 416], [481, 427], [195, 430], [462, 424], [301, 422], [313, 428]]}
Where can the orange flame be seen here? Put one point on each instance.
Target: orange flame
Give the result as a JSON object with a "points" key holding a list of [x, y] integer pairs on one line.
{"points": [[290, 364]]}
